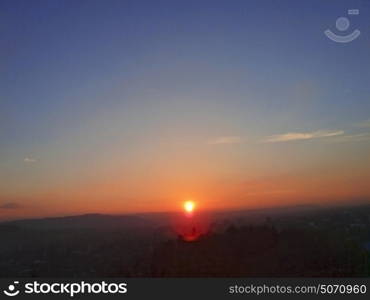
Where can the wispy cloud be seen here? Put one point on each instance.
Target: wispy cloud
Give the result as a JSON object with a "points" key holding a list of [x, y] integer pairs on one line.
{"points": [[270, 192], [10, 205], [363, 124], [225, 140], [296, 136], [359, 137], [29, 160]]}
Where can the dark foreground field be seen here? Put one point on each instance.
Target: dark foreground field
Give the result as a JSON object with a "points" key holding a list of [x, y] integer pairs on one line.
{"points": [[299, 242]]}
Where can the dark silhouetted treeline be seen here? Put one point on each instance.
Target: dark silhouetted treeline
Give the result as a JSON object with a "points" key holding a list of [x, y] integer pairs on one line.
{"points": [[307, 243]]}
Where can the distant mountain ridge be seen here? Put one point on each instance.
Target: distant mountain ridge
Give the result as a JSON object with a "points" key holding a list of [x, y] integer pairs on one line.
{"points": [[87, 221]]}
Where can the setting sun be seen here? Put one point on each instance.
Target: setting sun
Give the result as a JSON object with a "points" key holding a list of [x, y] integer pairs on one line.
{"points": [[189, 206]]}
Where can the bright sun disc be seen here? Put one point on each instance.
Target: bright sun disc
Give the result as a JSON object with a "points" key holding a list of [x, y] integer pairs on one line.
{"points": [[189, 206]]}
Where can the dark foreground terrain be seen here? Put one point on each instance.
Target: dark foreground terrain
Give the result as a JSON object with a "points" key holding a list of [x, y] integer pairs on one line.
{"points": [[299, 242]]}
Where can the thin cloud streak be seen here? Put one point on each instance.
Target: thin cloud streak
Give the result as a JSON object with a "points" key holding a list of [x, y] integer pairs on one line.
{"points": [[360, 137], [10, 205], [29, 160], [222, 140], [296, 136], [364, 124]]}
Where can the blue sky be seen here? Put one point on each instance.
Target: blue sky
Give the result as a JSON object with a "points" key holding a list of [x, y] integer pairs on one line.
{"points": [[97, 91]]}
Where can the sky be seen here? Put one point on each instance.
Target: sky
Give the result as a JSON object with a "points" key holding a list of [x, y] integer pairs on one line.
{"points": [[136, 106]]}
